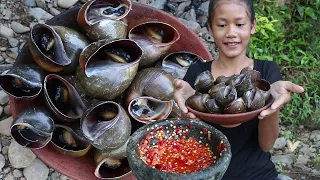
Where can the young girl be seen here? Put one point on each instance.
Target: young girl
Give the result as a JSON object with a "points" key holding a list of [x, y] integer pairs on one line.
{"points": [[231, 23]]}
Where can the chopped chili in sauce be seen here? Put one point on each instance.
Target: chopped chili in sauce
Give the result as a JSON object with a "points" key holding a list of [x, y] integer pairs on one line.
{"points": [[175, 154]]}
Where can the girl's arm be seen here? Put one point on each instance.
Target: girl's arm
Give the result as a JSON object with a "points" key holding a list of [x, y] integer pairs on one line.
{"points": [[268, 131], [269, 118]]}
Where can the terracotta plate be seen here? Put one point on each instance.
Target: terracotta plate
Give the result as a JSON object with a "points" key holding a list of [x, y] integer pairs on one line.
{"points": [[83, 168], [230, 119]]}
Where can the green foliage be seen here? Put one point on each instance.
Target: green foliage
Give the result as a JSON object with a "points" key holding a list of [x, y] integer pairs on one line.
{"points": [[289, 35]]}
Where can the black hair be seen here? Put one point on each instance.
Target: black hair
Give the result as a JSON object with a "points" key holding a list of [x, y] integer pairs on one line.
{"points": [[213, 4]]}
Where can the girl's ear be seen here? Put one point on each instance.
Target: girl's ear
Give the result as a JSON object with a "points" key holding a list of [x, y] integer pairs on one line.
{"points": [[253, 26], [210, 30]]}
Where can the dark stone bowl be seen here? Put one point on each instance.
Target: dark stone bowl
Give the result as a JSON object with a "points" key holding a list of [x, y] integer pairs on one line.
{"points": [[216, 171]]}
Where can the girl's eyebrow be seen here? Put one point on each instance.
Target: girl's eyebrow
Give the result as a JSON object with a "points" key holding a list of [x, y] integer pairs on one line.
{"points": [[237, 19]]}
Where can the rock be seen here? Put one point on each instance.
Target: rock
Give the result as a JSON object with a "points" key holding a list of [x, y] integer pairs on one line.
{"points": [[282, 159], [63, 177], [1, 111], [66, 3], [204, 7], [280, 143], [158, 4], [7, 170], [40, 14], [5, 150], [30, 3], [13, 42], [182, 6], [21, 46], [36, 171], [4, 97], [302, 160], [208, 38], [9, 177], [284, 177], [41, 4], [13, 52], [54, 11], [17, 173], [2, 162], [7, 14], [7, 110], [1, 60], [19, 156], [4, 67], [194, 26], [19, 28], [315, 135], [6, 32], [10, 60], [191, 15]]}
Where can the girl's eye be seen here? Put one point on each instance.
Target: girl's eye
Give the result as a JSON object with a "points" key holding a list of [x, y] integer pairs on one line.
{"points": [[239, 25], [221, 25]]}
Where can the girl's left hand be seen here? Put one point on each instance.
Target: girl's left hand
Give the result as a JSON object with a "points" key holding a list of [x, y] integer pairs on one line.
{"points": [[280, 91]]}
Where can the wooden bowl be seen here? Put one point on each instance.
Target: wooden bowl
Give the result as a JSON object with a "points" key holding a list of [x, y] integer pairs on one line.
{"points": [[230, 120], [83, 168]]}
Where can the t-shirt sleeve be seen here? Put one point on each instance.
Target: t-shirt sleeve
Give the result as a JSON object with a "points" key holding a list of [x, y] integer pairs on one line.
{"points": [[272, 72]]}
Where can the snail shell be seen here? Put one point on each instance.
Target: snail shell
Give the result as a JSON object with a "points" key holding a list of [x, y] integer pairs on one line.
{"points": [[56, 48], [177, 63], [155, 38], [153, 82], [62, 98], [104, 19], [148, 109], [106, 125], [69, 140], [22, 81], [33, 128], [102, 78]]}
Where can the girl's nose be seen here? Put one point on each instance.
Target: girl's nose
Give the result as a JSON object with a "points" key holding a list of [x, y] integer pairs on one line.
{"points": [[231, 33]]}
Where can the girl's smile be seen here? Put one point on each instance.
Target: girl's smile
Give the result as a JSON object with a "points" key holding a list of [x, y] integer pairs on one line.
{"points": [[231, 29]]}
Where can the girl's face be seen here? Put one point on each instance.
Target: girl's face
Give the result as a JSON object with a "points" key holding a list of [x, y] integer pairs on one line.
{"points": [[231, 29]]}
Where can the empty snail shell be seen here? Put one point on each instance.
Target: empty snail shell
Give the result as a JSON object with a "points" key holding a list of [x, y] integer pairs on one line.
{"points": [[155, 38], [22, 81], [62, 98], [153, 82], [148, 109], [106, 125], [104, 19], [178, 62], [33, 128], [101, 75], [56, 48], [69, 140]]}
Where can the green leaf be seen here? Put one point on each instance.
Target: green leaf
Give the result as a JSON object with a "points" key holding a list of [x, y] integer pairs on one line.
{"points": [[301, 11], [309, 11], [270, 27]]}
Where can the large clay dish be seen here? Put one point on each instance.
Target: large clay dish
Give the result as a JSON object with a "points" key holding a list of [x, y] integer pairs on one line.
{"points": [[83, 168]]}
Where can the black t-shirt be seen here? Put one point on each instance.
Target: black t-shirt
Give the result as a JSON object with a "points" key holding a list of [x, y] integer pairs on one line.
{"points": [[248, 161]]}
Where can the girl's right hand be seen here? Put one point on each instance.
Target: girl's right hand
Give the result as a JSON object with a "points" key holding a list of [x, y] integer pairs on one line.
{"points": [[182, 93]]}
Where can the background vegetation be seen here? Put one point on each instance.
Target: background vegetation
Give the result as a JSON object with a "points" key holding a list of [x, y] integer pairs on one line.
{"points": [[289, 35]]}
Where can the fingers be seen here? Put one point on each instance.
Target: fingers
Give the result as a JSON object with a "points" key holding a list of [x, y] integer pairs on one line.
{"points": [[266, 113], [178, 83], [181, 103], [294, 87], [189, 115], [283, 99]]}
